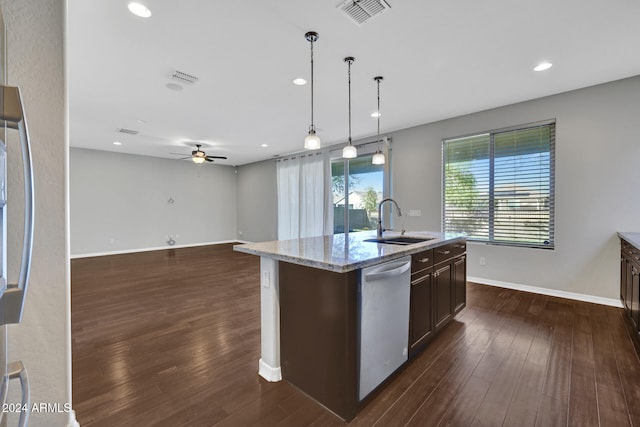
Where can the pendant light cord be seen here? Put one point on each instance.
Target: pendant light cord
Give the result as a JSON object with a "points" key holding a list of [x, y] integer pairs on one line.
{"points": [[312, 126], [349, 61], [378, 80]]}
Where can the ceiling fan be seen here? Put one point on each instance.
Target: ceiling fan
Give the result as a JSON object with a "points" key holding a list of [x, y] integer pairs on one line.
{"points": [[199, 156]]}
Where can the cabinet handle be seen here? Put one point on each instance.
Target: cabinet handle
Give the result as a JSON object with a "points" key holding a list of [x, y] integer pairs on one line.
{"points": [[458, 246], [444, 252], [423, 260], [420, 280]]}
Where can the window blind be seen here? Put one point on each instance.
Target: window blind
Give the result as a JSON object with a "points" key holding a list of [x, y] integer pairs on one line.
{"points": [[498, 187]]}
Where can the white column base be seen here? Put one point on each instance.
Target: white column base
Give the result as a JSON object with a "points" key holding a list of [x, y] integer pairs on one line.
{"points": [[72, 420], [269, 365], [268, 372]]}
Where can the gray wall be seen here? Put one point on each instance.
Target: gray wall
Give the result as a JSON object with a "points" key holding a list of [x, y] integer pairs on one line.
{"points": [[120, 202], [42, 341], [597, 153], [257, 202]]}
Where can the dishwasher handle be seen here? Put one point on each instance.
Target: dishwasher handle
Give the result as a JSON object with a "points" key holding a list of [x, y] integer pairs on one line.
{"points": [[398, 271]]}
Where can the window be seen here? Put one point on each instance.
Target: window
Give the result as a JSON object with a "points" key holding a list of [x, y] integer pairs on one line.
{"points": [[498, 187], [365, 183]]}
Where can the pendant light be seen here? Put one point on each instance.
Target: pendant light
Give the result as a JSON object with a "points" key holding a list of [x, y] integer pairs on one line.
{"points": [[378, 157], [312, 141], [349, 151]]}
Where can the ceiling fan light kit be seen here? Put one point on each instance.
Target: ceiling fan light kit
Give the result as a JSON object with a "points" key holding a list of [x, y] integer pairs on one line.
{"points": [[198, 156]]}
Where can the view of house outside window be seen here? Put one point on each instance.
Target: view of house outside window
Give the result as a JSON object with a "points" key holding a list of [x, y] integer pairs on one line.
{"points": [[359, 192], [498, 187]]}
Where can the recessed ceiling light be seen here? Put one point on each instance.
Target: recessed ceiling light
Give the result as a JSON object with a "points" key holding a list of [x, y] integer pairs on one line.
{"points": [[117, 143], [139, 9], [264, 145], [141, 121], [543, 66], [299, 81], [375, 115]]}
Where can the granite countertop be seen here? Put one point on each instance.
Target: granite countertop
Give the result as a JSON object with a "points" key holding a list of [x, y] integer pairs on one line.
{"points": [[340, 254], [633, 238]]}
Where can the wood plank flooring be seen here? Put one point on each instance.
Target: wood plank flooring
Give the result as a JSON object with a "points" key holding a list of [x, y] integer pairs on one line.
{"points": [[172, 338]]}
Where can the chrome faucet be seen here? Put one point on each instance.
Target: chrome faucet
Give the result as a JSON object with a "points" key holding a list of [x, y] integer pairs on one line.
{"points": [[380, 214]]}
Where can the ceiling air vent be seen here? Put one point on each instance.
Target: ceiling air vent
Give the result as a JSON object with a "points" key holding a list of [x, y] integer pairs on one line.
{"points": [[127, 131], [361, 11], [184, 77]]}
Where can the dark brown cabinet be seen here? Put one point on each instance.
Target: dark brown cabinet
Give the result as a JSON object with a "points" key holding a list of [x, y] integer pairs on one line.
{"points": [[442, 289], [459, 283], [319, 321], [438, 291], [630, 288], [420, 314]]}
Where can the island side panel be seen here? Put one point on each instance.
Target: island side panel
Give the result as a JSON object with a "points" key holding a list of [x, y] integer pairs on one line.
{"points": [[269, 365], [318, 326]]}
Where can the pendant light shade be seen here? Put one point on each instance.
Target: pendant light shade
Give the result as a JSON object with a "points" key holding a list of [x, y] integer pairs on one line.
{"points": [[349, 151], [312, 141], [378, 158]]}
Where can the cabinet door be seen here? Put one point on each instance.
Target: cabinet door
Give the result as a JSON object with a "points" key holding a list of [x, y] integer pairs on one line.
{"points": [[421, 319], [459, 284], [627, 300], [623, 279], [443, 307], [635, 297]]}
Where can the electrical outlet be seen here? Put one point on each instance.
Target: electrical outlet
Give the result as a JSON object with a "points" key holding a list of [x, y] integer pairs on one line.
{"points": [[266, 279], [415, 212], [483, 261]]}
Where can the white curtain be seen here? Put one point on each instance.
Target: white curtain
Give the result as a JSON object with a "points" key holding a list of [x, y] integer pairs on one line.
{"points": [[303, 201]]}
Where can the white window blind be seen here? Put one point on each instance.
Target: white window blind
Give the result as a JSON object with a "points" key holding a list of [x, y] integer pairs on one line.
{"points": [[498, 187]]}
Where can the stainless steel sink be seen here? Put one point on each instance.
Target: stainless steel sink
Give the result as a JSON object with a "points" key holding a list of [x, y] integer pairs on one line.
{"points": [[400, 240]]}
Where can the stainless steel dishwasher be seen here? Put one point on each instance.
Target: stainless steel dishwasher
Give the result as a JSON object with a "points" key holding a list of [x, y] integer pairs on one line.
{"points": [[384, 321]]}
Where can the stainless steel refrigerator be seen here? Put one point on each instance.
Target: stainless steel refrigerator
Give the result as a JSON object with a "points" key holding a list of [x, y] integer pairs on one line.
{"points": [[12, 296]]}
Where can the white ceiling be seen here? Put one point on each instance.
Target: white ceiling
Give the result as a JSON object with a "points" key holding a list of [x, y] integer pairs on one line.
{"points": [[439, 59]]}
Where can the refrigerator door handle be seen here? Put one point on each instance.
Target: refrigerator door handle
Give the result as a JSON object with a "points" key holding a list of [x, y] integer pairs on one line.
{"points": [[18, 371], [12, 112]]}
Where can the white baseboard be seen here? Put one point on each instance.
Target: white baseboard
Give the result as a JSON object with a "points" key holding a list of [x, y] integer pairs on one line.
{"points": [[546, 291], [268, 372], [158, 248]]}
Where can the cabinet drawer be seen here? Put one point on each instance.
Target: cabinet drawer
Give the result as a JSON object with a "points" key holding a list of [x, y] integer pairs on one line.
{"points": [[459, 247], [442, 253], [421, 260]]}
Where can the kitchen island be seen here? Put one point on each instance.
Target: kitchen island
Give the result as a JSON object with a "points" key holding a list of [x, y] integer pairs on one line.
{"points": [[321, 324]]}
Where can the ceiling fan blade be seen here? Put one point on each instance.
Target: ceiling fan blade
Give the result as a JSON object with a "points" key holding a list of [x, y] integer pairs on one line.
{"points": [[179, 154], [185, 158], [208, 160], [216, 157]]}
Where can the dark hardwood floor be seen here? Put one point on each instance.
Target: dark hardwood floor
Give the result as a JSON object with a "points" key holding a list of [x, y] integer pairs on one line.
{"points": [[172, 338]]}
